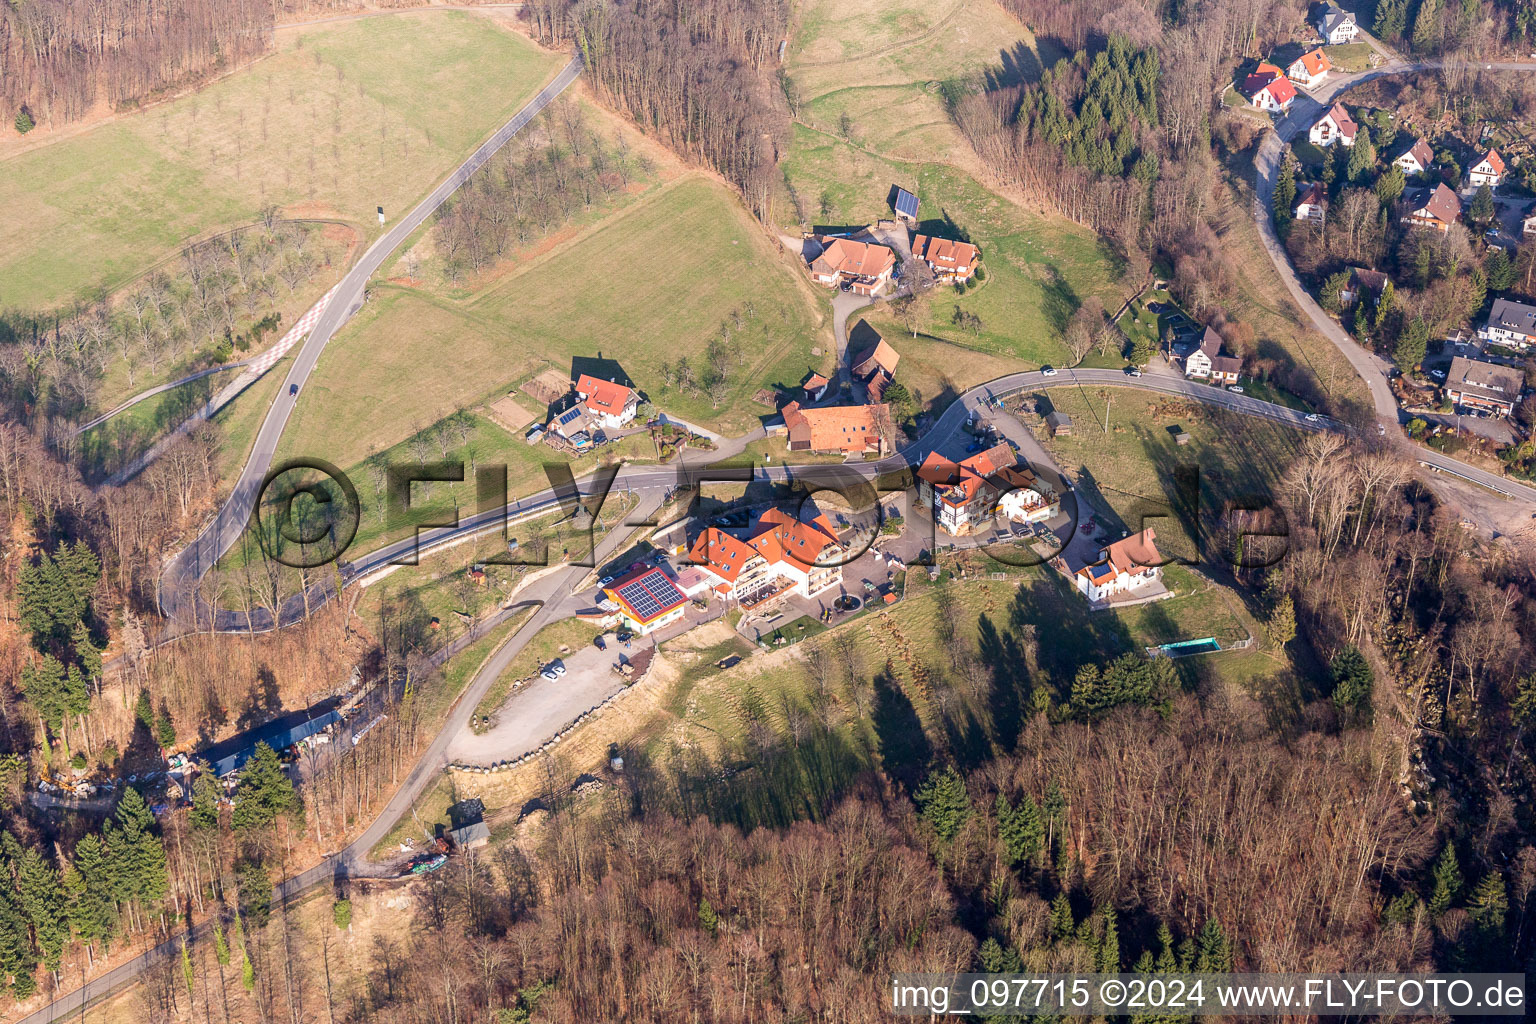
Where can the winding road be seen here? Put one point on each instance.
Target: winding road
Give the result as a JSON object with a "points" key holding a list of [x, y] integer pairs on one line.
{"points": [[553, 593]]}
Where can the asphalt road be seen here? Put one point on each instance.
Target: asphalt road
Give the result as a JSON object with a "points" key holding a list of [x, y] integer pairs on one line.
{"points": [[178, 581]]}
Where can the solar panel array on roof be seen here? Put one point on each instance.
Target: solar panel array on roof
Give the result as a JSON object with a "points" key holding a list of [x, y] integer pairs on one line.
{"points": [[906, 203], [569, 415], [650, 595]]}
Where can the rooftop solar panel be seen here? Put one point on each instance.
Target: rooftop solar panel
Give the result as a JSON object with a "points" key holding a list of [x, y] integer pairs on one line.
{"points": [[906, 203], [650, 595]]}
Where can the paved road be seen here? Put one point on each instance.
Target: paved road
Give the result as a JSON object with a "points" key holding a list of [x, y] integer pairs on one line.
{"points": [[179, 579], [1308, 107]]}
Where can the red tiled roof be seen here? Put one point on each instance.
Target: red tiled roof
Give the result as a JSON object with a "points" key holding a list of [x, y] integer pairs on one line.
{"points": [[724, 554], [1133, 556], [959, 482], [1340, 117], [1316, 62], [1443, 205], [946, 252], [815, 382], [778, 537], [1421, 152], [881, 357], [603, 396], [834, 428], [860, 259], [1493, 160]]}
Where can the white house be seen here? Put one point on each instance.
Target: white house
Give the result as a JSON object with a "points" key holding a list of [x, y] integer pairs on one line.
{"points": [[1124, 567], [1512, 324], [1311, 202], [1205, 362], [1416, 159], [1268, 89], [1336, 26], [966, 496], [608, 403], [1487, 171], [1310, 68], [648, 599], [1334, 126]]}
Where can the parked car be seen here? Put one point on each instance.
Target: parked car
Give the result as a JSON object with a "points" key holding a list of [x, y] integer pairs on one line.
{"points": [[1437, 374], [558, 666], [605, 581], [1312, 417], [1235, 389], [549, 673], [1133, 371], [1047, 371], [599, 642]]}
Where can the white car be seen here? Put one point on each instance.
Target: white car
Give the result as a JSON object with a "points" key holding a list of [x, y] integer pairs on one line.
{"points": [[1437, 374], [1381, 430], [1047, 371], [1133, 372], [1313, 417], [1235, 389]]}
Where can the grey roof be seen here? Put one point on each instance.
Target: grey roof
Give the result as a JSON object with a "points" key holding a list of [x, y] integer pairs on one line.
{"points": [[1486, 379], [471, 833], [1331, 17], [1513, 316], [1058, 419]]}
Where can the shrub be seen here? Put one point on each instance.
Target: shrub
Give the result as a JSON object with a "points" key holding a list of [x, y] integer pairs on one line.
{"points": [[24, 122], [981, 273]]}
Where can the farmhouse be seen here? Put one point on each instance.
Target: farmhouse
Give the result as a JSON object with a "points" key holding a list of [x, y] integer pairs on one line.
{"points": [[1127, 567], [1268, 89], [780, 557], [648, 599], [1437, 208], [860, 267], [1336, 26], [1483, 387], [1310, 202], [1415, 158], [875, 368], [836, 429], [1510, 323], [1487, 171], [965, 496], [1205, 361], [1334, 126], [608, 403], [1310, 68], [950, 260]]}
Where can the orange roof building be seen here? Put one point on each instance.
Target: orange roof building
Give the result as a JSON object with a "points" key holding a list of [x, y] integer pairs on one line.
{"points": [[862, 267], [966, 495], [836, 429], [648, 599], [1487, 171], [875, 368], [950, 260], [781, 555], [610, 403]]}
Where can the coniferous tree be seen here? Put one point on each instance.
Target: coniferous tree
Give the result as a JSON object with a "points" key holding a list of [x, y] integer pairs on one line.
{"points": [[1391, 18], [1214, 949], [1389, 187], [140, 855], [1285, 197], [1411, 345], [1062, 922], [1108, 960], [42, 897], [1487, 909], [17, 958], [1352, 680], [1426, 25], [943, 802], [44, 685], [206, 794], [1020, 829], [266, 793], [1501, 271], [1448, 881]]}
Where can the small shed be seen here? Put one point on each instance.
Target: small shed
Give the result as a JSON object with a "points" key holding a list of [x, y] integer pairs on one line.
{"points": [[1060, 424], [1182, 437], [906, 204], [471, 836]]}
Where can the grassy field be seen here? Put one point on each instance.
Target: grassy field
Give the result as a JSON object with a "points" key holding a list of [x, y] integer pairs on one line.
{"points": [[704, 260], [343, 118], [1132, 470], [867, 79], [1350, 57]]}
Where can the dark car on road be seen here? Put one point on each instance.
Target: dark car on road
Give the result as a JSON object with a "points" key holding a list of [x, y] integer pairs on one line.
{"points": [[293, 389]]}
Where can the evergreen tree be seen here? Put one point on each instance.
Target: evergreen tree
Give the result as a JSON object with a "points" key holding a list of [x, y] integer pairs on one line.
{"points": [[254, 887], [1020, 829], [1448, 882], [1108, 960], [1329, 298], [1384, 304], [42, 897], [1501, 271], [1281, 626], [1062, 922], [1129, 679], [1487, 909], [220, 944], [1411, 345], [943, 802], [1389, 187], [1482, 209], [1214, 951], [1426, 26], [266, 793], [1391, 18], [17, 958], [341, 914], [86, 652], [1362, 157], [708, 919], [1352, 681], [995, 958], [1362, 324], [1166, 964], [44, 685], [1285, 197], [206, 794]]}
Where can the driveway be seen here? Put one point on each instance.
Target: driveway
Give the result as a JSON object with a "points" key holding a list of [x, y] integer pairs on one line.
{"points": [[542, 707]]}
